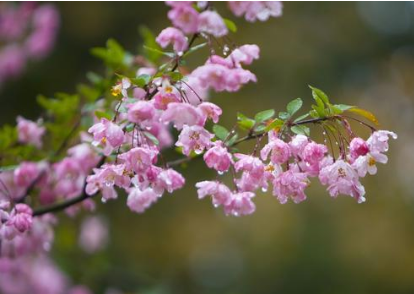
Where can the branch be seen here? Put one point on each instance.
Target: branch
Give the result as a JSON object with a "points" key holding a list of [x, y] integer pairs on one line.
{"points": [[67, 203], [177, 63]]}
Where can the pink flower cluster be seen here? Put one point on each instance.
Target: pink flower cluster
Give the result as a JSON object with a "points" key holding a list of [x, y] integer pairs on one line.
{"points": [[288, 167], [28, 32], [256, 10], [136, 169], [185, 15]]}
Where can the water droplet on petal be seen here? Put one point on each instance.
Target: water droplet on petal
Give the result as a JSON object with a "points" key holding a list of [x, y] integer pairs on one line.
{"points": [[220, 173], [103, 200], [264, 189]]}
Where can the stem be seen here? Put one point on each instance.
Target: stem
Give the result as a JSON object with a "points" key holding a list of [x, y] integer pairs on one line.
{"points": [[177, 63]]}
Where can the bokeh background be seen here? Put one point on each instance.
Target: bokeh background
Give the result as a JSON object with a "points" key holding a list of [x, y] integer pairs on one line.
{"points": [[358, 53]]}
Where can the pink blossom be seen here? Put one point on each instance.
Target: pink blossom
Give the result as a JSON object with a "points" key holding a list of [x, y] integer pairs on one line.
{"points": [[12, 62], [194, 91], [218, 157], [378, 141], [312, 156], [367, 163], [212, 23], [341, 178], [314, 153], [21, 218], [179, 3], [26, 174], [365, 155], [211, 111], [8, 187], [253, 176], [162, 133], [185, 18], [41, 40], [161, 100], [290, 184], [256, 10], [70, 177], [84, 154], [238, 7], [194, 138], [221, 194], [29, 132], [358, 147], [107, 134], [138, 201], [170, 180], [244, 55], [280, 151], [146, 71], [298, 144], [138, 159], [105, 178], [250, 164], [222, 78], [240, 204], [216, 59], [94, 234], [173, 36], [140, 111], [181, 114]]}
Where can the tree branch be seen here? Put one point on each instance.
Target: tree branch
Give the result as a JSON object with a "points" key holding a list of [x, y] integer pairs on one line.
{"points": [[67, 203]]}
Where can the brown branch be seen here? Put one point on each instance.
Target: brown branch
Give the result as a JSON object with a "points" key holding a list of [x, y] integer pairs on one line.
{"points": [[69, 202]]}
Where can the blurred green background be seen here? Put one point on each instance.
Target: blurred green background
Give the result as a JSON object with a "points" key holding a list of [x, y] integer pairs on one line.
{"points": [[358, 53]]}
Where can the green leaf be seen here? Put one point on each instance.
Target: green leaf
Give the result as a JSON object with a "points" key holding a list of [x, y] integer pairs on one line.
{"points": [[94, 78], [152, 138], [300, 130], [194, 49], [294, 106], [230, 25], [141, 81], [130, 127], [340, 108], [102, 114], [232, 140], [89, 93], [319, 107], [113, 55], [9, 167], [316, 93], [220, 132], [244, 122], [149, 41], [301, 117], [175, 76], [313, 113], [168, 54], [260, 128], [365, 113], [264, 115], [284, 115], [275, 124]]}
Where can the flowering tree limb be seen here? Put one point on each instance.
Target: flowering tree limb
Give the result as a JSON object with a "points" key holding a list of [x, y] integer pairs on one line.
{"points": [[147, 102]]}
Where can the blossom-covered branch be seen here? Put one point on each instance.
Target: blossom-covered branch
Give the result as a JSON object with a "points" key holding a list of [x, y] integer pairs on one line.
{"points": [[152, 101]]}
